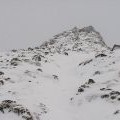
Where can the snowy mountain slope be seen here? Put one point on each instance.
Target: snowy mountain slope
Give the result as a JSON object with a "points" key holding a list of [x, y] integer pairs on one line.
{"points": [[72, 76]]}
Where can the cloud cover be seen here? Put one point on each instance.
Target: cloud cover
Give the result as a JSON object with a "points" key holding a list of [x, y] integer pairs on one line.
{"points": [[25, 23]]}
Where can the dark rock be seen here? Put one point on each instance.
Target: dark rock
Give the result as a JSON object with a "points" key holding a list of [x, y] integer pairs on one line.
{"points": [[7, 60], [1, 73], [108, 89], [117, 112], [52, 41], [7, 79], [87, 29], [45, 61], [14, 50], [12, 106], [97, 73], [65, 53], [37, 48], [113, 62], [105, 96], [85, 86], [115, 93], [46, 53], [88, 61], [102, 89], [39, 70], [1, 82], [36, 58], [80, 63], [100, 55], [55, 77], [14, 61], [30, 49], [71, 98], [1, 109], [90, 81], [80, 90], [118, 99], [113, 97]]}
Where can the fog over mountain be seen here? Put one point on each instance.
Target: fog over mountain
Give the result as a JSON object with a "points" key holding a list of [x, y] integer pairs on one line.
{"points": [[25, 23]]}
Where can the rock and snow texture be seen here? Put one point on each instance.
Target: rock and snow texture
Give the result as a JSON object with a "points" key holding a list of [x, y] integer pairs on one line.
{"points": [[72, 76]]}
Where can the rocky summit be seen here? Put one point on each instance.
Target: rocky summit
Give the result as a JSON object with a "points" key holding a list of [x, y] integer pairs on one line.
{"points": [[72, 76]]}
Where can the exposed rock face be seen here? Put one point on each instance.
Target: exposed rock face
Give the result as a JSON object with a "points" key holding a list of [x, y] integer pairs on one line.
{"points": [[85, 39], [12, 106]]}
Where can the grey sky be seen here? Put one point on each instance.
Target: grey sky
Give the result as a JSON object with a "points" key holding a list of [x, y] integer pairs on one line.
{"points": [[25, 23]]}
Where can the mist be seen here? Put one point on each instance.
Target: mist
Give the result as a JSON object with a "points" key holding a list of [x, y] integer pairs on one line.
{"points": [[25, 23]]}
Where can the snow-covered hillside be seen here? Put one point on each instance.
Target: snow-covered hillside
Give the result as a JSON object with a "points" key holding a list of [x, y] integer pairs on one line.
{"points": [[73, 76]]}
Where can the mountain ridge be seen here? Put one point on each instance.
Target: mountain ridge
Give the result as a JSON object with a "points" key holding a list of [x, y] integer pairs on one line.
{"points": [[72, 76], [78, 37]]}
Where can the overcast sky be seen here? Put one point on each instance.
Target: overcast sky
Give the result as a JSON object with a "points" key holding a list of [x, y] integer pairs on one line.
{"points": [[25, 23]]}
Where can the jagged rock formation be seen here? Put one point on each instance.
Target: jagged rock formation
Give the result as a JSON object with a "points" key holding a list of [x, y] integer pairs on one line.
{"points": [[86, 39], [12, 106]]}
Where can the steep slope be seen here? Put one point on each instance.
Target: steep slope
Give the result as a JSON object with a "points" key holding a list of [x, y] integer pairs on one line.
{"points": [[72, 76], [86, 39]]}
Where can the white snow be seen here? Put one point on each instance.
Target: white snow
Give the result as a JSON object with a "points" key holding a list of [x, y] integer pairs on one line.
{"points": [[52, 94]]}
